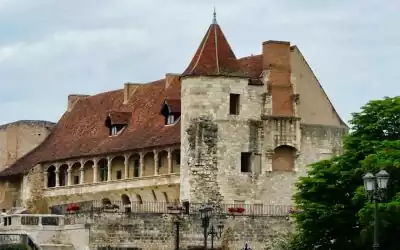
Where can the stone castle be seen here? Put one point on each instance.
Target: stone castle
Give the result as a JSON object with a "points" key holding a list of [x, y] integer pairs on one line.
{"points": [[227, 129]]}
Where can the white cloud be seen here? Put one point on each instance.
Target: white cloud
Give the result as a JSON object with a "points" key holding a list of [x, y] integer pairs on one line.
{"points": [[49, 49]]}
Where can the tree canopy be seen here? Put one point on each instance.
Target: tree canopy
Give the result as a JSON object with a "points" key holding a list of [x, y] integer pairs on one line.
{"points": [[333, 209]]}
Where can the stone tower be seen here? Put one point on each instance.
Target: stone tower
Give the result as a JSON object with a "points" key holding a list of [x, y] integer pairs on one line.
{"points": [[241, 134]]}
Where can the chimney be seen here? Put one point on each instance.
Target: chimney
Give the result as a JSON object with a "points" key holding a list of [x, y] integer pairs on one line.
{"points": [[276, 63], [170, 78], [73, 99], [129, 89]]}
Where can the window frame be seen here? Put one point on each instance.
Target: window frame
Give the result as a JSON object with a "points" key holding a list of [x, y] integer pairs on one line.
{"points": [[248, 156], [234, 104]]}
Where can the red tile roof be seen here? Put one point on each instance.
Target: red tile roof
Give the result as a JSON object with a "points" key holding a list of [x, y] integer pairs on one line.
{"points": [[119, 118], [82, 131], [214, 56], [174, 105], [252, 65]]}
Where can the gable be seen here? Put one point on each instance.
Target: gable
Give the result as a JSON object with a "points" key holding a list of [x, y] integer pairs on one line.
{"points": [[314, 106]]}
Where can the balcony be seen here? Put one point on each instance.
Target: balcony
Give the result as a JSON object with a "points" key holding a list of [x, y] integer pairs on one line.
{"points": [[115, 185]]}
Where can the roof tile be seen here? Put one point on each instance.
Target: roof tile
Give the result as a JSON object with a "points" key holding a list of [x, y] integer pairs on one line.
{"points": [[82, 131], [214, 56]]}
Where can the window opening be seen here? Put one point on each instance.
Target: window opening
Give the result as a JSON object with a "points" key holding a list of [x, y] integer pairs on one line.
{"points": [[119, 175], [245, 162], [234, 103], [136, 168], [76, 179]]}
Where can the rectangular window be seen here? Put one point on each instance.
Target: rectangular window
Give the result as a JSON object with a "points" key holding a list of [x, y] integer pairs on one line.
{"points": [[234, 103], [136, 168], [245, 162], [119, 175], [76, 179]]}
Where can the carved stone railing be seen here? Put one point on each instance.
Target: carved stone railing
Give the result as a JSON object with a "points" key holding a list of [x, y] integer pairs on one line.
{"points": [[30, 221], [140, 182]]}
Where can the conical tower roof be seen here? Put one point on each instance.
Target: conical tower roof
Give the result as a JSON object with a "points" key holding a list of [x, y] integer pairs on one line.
{"points": [[214, 57]]}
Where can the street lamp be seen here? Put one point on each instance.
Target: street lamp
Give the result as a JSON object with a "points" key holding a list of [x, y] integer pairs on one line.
{"points": [[205, 214], [177, 211], [215, 233], [376, 186]]}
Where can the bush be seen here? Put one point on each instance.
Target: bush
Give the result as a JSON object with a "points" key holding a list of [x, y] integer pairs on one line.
{"points": [[14, 247]]}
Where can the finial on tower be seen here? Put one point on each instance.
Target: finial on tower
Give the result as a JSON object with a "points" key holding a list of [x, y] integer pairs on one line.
{"points": [[214, 16]]}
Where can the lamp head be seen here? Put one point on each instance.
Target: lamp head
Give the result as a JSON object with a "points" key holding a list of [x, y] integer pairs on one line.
{"points": [[369, 182], [382, 178]]}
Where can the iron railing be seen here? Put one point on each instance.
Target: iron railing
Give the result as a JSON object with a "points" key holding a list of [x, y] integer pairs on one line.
{"points": [[165, 207]]}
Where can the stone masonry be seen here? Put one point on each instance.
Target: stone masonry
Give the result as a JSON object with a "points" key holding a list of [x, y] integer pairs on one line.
{"points": [[157, 232], [16, 140], [274, 131]]}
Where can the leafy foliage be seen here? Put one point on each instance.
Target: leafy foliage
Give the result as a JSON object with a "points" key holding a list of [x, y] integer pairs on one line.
{"points": [[335, 212], [14, 247]]}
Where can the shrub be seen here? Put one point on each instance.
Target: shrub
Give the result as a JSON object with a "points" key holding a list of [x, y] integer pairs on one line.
{"points": [[14, 247]]}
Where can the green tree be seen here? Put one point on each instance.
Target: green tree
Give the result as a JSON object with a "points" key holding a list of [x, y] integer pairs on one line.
{"points": [[334, 212]]}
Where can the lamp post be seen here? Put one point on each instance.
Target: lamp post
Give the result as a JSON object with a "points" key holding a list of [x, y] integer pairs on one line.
{"points": [[177, 212], [216, 234], [376, 187], [205, 214]]}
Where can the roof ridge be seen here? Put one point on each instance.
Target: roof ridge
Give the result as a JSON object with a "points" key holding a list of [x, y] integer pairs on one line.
{"points": [[216, 45], [201, 51]]}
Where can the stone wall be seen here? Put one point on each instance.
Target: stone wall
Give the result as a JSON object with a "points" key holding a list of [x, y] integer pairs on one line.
{"points": [[18, 138], [157, 232], [213, 140]]}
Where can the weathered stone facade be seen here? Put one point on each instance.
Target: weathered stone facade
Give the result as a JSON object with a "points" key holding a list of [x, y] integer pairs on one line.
{"points": [[16, 140], [157, 232], [213, 139]]}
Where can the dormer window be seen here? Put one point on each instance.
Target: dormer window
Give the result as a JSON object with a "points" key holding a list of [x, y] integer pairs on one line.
{"points": [[115, 129], [171, 110], [170, 119], [117, 121]]}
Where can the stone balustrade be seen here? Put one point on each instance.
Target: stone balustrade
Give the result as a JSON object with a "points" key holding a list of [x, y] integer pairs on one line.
{"points": [[30, 221], [126, 166], [114, 185]]}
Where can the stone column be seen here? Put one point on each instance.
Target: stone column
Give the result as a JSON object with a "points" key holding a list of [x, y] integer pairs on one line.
{"points": [[45, 176], [69, 174], [169, 161], [296, 162], [109, 161], [82, 177], [95, 172], [268, 160], [155, 162], [141, 159], [126, 164], [57, 172]]}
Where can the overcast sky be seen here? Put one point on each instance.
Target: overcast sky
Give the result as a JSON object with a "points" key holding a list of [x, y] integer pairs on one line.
{"points": [[49, 49]]}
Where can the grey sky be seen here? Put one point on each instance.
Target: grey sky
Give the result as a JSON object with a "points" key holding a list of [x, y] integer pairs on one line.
{"points": [[49, 49]]}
